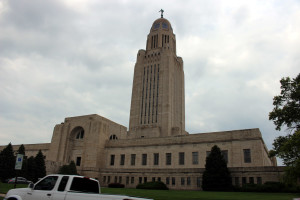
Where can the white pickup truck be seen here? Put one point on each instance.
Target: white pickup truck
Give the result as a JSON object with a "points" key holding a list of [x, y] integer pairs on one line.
{"points": [[63, 187]]}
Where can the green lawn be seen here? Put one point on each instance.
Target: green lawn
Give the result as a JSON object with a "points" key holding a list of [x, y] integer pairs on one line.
{"points": [[184, 195], [193, 195], [4, 187]]}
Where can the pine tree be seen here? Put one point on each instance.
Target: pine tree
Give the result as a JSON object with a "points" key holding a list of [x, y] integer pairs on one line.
{"points": [[68, 169], [40, 165], [216, 176], [7, 162], [21, 150], [31, 169], [72, 168]]}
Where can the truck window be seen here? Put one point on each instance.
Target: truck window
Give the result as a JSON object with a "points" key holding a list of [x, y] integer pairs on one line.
{"points": [[63, 183], [85, 185], [47, 183]]}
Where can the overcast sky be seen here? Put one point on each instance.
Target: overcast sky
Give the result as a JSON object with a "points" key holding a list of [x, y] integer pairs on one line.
{"points": [[76, 57]]}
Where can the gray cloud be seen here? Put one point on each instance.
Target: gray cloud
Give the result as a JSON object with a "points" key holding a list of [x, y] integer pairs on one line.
{"points": [[67, 58]]}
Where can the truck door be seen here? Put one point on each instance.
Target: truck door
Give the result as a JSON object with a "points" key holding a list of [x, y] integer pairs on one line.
{"points": [[61, 192], [43, 190]]}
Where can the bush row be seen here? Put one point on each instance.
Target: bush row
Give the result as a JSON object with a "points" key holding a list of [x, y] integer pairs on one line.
{"points": [[156, 185], [269, 187], [116, 185]]}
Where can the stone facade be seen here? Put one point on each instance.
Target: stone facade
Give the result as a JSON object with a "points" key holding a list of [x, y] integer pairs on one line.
{"points": [[157, 103], [156, 146]]}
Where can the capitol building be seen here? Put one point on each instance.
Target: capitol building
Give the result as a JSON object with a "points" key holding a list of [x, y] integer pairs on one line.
{"points": [[156, 145]]}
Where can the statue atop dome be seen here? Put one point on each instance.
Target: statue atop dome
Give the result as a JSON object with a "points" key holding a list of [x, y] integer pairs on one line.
{"points": [[162, 13]]}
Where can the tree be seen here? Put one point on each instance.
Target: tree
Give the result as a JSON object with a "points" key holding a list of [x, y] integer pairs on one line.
{"points": [[40, 165], [68, 169], [31, 169], [216, 176], [7, 162], [21, 150], [287, 113], [287, 104]]}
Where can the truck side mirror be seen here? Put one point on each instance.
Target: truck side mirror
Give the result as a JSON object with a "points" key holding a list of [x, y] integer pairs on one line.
{"points": [[31, 185]]}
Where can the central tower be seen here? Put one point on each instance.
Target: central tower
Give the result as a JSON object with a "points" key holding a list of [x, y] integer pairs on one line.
{"points": [[157, 102]]}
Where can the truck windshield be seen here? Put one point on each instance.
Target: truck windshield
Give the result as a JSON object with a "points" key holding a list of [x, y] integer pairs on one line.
{"points": [[85, 185]]}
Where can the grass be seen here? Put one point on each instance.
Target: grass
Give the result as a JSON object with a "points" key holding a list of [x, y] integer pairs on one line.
{"points": [[4, 187], [193, 195], [183, 195]]}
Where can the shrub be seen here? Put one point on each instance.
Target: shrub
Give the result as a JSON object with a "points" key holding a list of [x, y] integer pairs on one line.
{"points": [[269, 187], [116, 185], [156, 185]]}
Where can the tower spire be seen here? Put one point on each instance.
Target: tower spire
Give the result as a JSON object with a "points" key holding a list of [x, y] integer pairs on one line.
{"points": [[162, 13]]}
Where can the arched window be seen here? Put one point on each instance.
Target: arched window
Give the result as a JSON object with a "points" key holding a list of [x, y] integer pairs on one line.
{"points": [[80, 134], [113, 137]]}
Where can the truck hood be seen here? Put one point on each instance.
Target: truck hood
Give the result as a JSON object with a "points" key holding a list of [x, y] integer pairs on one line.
{"points": [[19, 192]]}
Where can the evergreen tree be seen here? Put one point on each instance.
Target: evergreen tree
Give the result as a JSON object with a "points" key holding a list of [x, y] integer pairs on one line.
{"points": [[21, 150], [216, 176], [31, 169], [72, 168], [40, 165], [7, 163], [68, 169]]}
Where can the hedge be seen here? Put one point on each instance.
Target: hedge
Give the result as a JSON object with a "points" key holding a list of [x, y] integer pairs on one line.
{"points": [[156, 185]]}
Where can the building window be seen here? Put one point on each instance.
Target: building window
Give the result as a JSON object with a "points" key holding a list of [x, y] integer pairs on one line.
{"points": [[244, 180], [173, 180], [247, 155], [145, 179], [181, 158], [153, 179], [127, 180], [225, 155], [159, 179], [113, 137], [156, 158], [259, 181], [140, 180], [168, 158], [144, 159], [80, 134], [120, 179], [198, 181], [237, 181], [112, 159], [195, 158], [251, 180], [188, 180], [78, 161], [104, 179], [116, 179], [182, 180], [132, 180], [168, 180], [122, 159], [132, 159]]}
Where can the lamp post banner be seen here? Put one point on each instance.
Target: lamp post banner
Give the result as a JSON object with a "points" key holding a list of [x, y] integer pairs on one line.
{"points": [[19, 162]]}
